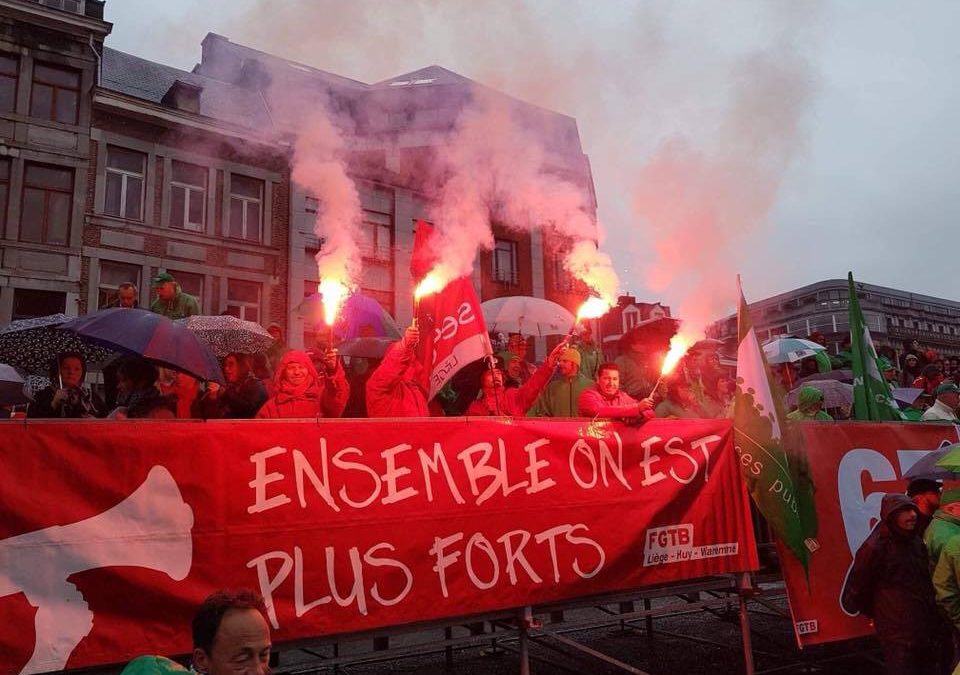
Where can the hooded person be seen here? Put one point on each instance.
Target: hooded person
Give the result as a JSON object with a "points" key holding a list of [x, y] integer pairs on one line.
{"points": [[300, 391], [912, 369], [67, 396], [496, 399], [809, 406], [394, 389], [243, 394], [889, 582]]}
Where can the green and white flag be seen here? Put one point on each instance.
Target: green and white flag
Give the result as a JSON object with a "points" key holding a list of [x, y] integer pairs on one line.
{"points": [[777, 478], [872, 395]]}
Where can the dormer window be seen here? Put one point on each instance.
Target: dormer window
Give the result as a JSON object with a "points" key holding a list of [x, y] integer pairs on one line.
{"points": [[183, 95]]}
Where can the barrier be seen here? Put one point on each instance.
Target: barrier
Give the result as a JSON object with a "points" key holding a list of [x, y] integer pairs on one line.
{"points": [[111, 533]]}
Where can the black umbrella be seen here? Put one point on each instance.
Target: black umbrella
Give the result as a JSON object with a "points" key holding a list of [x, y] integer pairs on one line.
{"points": [[33, 344]]}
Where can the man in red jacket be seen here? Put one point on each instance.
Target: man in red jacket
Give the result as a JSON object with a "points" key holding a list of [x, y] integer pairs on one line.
{"points": [[605, 399], [515, 402], [393, 389]]}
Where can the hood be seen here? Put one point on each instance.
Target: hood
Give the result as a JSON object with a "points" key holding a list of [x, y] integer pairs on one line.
{"points": [[892, 503]]}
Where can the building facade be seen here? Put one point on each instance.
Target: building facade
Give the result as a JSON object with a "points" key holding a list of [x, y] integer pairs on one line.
{"points": [[114, 168], [894, 317]]}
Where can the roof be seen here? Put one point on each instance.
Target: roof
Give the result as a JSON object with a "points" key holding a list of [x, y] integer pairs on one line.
{"points": [[148, 80], [429, 76]]}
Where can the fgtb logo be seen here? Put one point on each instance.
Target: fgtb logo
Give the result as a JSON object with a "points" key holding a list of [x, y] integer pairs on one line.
{"points": [[674, 543]]}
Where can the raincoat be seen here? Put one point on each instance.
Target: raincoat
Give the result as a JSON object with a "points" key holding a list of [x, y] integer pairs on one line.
{"points": [[513, 402], [560, 397], [318, 396], [807, 400], [180, 307], [393, 389]]}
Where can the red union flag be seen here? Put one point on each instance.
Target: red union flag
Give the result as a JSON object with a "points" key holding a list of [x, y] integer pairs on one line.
{"points": [[453, 332]]}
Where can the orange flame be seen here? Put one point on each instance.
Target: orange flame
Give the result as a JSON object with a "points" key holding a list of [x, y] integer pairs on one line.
{"points": [[334, 292], [432, 283], [593, 308], [679, 344]]}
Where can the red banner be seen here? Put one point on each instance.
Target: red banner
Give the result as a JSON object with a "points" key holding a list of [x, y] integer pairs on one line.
{"points": [[853, 465], [111, 533]]}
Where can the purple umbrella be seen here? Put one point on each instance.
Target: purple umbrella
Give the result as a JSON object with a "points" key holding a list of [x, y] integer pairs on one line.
{"points": [[360, 316], [153, 336]]}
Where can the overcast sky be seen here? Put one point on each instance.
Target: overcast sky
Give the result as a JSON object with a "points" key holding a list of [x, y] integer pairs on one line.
{"points": [[835, 121]]}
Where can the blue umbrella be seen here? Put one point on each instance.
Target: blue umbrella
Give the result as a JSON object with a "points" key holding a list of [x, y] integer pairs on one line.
{"points": [[789, 349], [360, 316], [153, 336]]}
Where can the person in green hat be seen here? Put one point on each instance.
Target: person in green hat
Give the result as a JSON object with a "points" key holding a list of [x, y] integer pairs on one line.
{"points": [[945, 407], [172, 302], [153, 665], [560, 397], [809, 406]]}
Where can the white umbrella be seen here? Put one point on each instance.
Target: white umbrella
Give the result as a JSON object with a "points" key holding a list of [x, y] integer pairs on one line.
{"points": [[11, 386], [790, 349], [526, 315]]}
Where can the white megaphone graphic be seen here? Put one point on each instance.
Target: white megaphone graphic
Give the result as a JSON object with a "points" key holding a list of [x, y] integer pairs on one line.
{"points": [[150, 528]]}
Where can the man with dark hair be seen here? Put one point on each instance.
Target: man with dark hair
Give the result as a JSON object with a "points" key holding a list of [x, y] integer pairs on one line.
{"points": [[605, 399], [925, 493], [890, 583], [231, 634], [126, 296]]}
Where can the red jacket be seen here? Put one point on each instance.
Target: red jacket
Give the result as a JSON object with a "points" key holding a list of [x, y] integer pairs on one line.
{"points": [[393, 390], [516, 401], [594, 404], [326, 395]]}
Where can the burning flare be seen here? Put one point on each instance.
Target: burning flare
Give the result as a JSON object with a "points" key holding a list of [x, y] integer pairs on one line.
{"points": [[593, 308], [334, 292], [679, 344], [432, 283]]}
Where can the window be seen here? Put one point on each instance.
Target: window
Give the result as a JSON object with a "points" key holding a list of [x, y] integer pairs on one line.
{"points": [[47, 203], [112, 274], [29, 303], [4, 193], [505, 262], [9, 66], [191, 284], [188, 196], [311, 204], [124, 193], [75, 6], [243, 300], [56, 94], [563, 281], [246, 198], [376, 242]]}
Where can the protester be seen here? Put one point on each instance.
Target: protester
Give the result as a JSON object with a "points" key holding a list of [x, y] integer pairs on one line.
{"points": [[559, 398], [126, 296], [590, 355], [279, 347], [172, 302], [358, 373], [944, 524], [67, 396], [911, 369], [231, 635], [944, 408], [931, 378], [606, 399], [678, 403], [517, 345], [187, 396], [137, 392], [243, 395], [718, 397], [303, 392], [888, 371], [809, 406], [925, 493], [890, 583], [394, 388], [635, 376], [496, 399]]}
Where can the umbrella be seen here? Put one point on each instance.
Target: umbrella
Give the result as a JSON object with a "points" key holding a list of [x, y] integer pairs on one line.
{"points": [[790, 349], [226, 334], [906, 395], [928, 465], [360, 316], [526, 315], [951, 459], [11, 387], [153, 336], [366, 347], [840, 374], [33, 344], [835, 394]]}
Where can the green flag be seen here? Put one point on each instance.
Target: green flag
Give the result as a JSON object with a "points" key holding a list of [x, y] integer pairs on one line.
{"points": [[776, 478], [872, 395]]}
